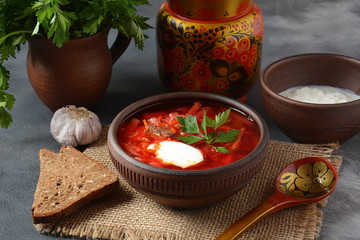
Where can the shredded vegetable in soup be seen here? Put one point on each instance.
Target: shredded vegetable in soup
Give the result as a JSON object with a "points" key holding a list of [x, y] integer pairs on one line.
{"points": [[193, 137]]}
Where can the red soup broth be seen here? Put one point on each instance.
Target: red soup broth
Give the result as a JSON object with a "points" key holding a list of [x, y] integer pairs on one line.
{"points": [[135, 138]]}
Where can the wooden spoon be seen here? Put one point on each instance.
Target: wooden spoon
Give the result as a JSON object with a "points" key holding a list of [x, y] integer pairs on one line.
{"points": [[303, 181]]}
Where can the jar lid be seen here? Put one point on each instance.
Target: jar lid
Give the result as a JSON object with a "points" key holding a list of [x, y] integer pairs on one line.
{"points": [[210, 9]]}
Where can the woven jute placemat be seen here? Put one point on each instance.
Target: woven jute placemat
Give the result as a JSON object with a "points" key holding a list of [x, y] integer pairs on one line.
{"points": [[126, 214]]}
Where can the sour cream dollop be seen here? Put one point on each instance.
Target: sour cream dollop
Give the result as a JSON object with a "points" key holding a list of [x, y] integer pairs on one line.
{"points": [[177, 153], [320, 94]]}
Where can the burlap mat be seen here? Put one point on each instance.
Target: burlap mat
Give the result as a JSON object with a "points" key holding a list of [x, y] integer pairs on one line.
{"points": [[128, 215]]}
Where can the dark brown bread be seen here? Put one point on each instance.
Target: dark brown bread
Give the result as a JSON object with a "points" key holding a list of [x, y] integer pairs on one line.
{"points": [[68, 180]]}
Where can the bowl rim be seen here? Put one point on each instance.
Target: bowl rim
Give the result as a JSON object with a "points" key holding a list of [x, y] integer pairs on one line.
{"points": [[142, 103], [265, 85]]}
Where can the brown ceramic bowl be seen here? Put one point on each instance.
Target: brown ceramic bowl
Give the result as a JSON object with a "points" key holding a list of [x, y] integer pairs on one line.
{"points": [[187, 188], [306, 122]]}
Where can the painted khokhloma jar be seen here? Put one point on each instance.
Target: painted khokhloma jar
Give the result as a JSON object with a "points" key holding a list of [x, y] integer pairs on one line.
{"points": [[209, 45]]}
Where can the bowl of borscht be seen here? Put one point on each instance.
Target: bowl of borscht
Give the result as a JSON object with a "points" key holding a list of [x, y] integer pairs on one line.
{"points": [[188, 149]]}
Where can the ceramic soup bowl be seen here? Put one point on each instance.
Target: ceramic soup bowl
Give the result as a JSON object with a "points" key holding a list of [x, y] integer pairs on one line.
{"points": [[309, 122], [187, 188]]}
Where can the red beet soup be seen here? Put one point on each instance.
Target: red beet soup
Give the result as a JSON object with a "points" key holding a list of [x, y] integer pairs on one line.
{"points": [[222, 135]]}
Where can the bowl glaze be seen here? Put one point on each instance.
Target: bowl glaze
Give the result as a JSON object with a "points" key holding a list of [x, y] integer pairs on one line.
{"points": [[307, 122], [187, 188]]}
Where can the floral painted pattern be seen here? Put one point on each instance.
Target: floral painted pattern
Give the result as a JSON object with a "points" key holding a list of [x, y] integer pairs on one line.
{"points": [[222, 58], [310, 180]]}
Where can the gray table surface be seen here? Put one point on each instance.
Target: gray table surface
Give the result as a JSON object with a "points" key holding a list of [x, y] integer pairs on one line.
{"points": [[291, 27]]}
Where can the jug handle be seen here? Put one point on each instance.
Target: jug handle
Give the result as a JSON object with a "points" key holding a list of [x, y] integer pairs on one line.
{"points": [[119, 46]]}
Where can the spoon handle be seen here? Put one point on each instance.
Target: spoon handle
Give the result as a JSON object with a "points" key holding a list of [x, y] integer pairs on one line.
{"points": [[243, 224]]}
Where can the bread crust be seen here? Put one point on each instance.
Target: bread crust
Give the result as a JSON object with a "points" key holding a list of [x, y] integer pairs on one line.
{"points": [[68, 180]]}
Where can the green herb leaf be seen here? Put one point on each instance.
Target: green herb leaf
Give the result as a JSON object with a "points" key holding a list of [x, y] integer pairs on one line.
{"points": [[229, 136], [5, 118], [189, 124], [190, 139], [4, 78], [210, 137], [92, 26], [222, 149], [55, 21], [6, 102], [221, 118], [209, 122]]}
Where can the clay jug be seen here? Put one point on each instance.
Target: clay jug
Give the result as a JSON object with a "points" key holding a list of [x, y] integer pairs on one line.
{"points": [[78, 73], [209, 46]]}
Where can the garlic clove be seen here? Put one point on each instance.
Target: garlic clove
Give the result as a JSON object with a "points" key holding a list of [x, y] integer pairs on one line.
{"points": [[75, 126]]}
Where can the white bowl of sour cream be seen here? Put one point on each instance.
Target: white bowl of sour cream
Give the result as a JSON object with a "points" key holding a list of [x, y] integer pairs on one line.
{"points": [[314, 98]]}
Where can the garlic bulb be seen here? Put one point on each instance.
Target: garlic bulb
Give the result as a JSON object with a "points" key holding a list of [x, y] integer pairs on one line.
{"points": [[75, 126]]}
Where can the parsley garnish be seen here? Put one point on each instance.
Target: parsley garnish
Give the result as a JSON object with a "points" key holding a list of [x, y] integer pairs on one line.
{"points": [[190, 125]]}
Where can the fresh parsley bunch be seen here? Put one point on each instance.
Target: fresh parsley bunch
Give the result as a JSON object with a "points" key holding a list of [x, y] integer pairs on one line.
{"points": [[60, 20], [202, 133]]}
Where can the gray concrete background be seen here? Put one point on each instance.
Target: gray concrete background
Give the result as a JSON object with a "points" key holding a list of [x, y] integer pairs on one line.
{"points": [[291, 27]]}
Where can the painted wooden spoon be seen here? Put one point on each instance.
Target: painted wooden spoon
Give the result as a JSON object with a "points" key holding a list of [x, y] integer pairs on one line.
{"points": [[303, 181]]}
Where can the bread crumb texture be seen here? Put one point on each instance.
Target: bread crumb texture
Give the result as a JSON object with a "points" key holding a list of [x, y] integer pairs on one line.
{"points": [[68, 180]]}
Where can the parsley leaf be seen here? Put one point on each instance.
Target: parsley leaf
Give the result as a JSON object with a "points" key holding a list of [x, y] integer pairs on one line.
{"points": [[221, 118], [5, 118], [229, 136], [190, 139], [6, 102], [190, 124], [223, 149]]}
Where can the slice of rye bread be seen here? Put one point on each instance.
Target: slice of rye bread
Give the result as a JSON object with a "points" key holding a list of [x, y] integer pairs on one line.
{"points": [[68, 180]]}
